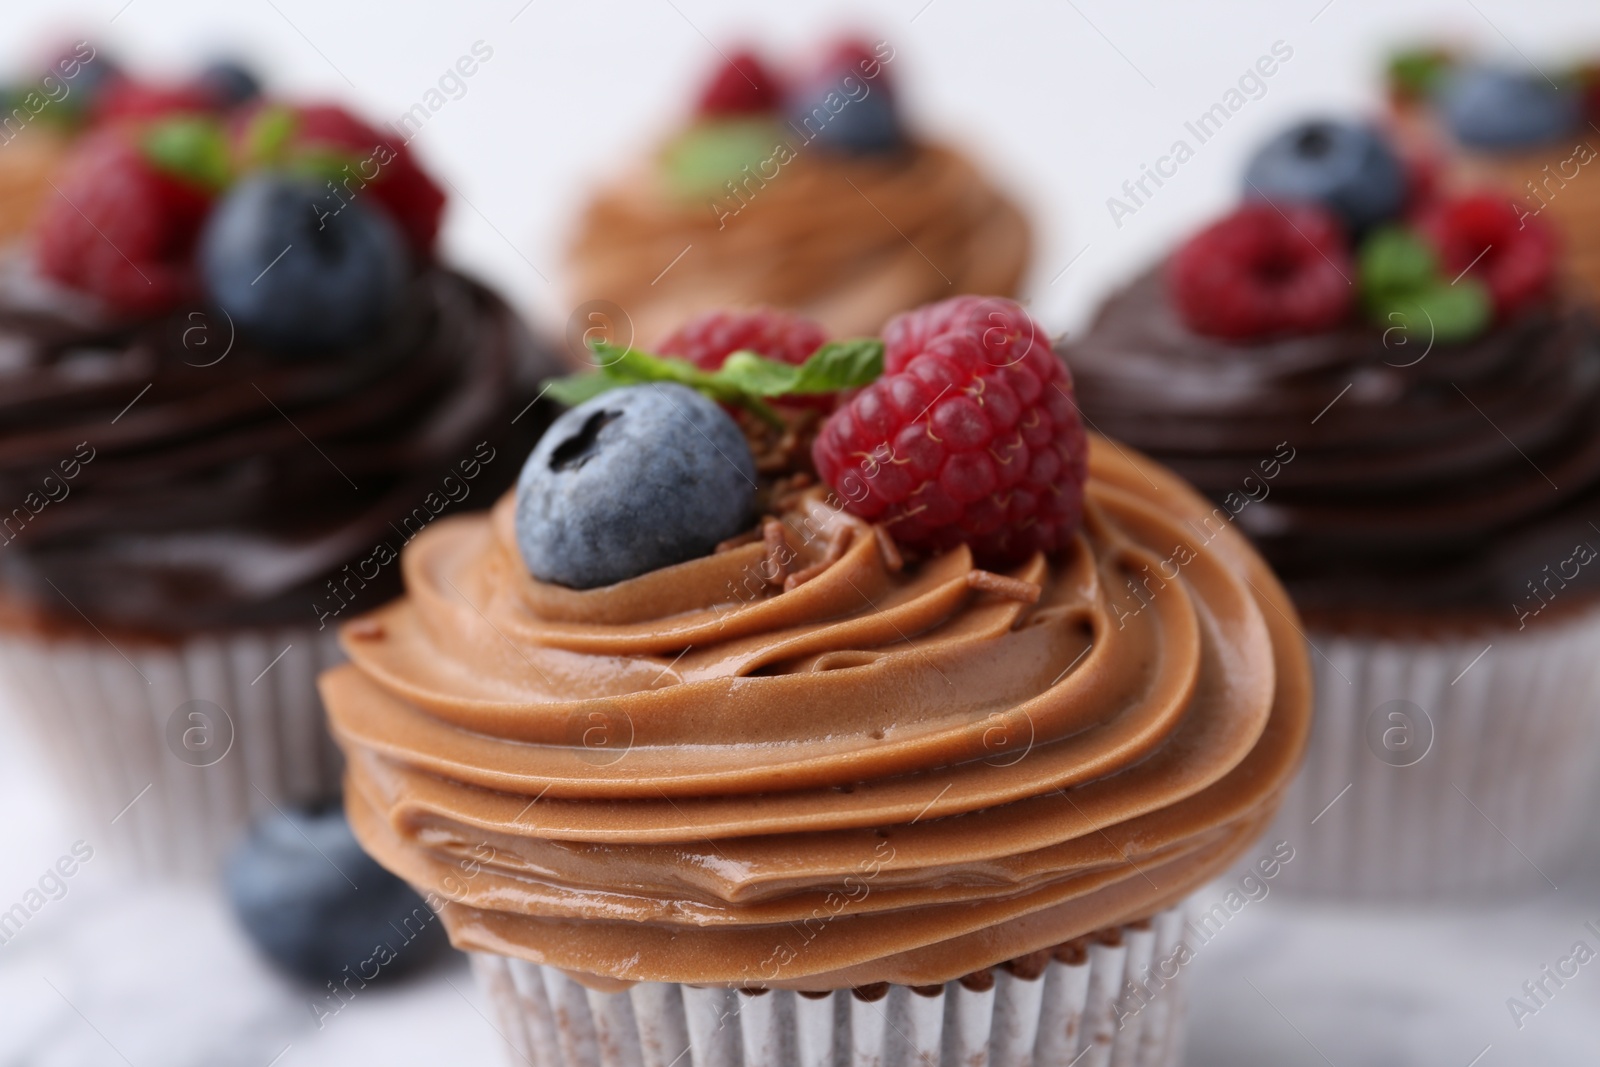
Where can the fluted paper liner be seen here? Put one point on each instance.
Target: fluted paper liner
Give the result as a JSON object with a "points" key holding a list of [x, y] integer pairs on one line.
{"points": [[103, 715], [1494, 805], [1096, 1011]]}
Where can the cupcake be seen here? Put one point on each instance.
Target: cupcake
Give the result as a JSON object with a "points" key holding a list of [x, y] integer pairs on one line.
{"points": [[237, 383], [1518, 130], [43, 112], [846, 756], [79, 89], [1396, 402], [806, 193]]}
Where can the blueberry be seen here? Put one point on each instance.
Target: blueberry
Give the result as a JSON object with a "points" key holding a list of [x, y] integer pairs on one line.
{"points": [[314, 903], [229, 82], [1489, 107], [91, 76], [633, 480], [834, 114], [296, 267], [1346, 167]]}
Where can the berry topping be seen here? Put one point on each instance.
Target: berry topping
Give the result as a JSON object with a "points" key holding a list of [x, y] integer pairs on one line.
{"points": [[357, 160], [741, 86], [636, 479], [1346, 167], [1403, 289], [87, 71], [710, 338], [228, 82], [1489, 107], [315, 904], [292, 274], [704, 158], [121, 228], [1266, 270], [846, 105], [1414, 73], [1487, 237], [124, 99], [972, 435]]}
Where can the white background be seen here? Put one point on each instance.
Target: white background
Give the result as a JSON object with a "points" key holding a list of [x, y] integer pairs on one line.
{"points": [[1063, 102]]}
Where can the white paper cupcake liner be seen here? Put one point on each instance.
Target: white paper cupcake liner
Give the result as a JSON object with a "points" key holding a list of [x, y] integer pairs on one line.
{"points": [[162, 786], [1120, 1003], [1446, 769]]}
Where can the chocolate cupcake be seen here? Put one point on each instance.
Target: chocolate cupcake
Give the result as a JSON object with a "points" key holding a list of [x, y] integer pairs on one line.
{"points": [[1525, 132], [234, 391], [880, 774], [808, 194], [1403, 423]]}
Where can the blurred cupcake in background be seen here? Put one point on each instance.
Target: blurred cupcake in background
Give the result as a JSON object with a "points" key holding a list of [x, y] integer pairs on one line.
{"points": [[82, 88], [849, 758], [40, 113], [805, 191], [1384, 384], [1528, 132], [236, 382]]}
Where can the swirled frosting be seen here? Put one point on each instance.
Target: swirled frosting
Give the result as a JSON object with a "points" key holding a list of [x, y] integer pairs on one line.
{"points": [[881, 774], [1382, 477], [213, 484], [848, 241]]}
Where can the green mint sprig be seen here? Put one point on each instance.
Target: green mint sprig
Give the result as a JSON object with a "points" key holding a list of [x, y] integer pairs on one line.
{"points": [[745, 378], [1415, 72], [191, 147], [1401, 285]]}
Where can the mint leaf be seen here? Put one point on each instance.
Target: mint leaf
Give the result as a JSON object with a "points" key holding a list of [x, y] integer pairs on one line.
{"points": [[1416, 72], [267, 139], [324, 163], [1401, 288], [190, 147], [703, 157], [1394, 261], [618, 367], [1440, 311], [640, 366], [757, 375], [841, 365], [744, 378], [836, 365]]}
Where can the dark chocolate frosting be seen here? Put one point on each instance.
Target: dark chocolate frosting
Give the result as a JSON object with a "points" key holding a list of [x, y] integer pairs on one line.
{"points": [[151, 484], [1377, 474]]}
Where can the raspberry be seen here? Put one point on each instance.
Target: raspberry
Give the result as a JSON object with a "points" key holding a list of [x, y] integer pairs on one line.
{"points": [[1485, 236], [1424, 179], [742, 86], [1262, 271], [401, 186], [121, 229], [125, 99], [972, 435], [708, 339]]}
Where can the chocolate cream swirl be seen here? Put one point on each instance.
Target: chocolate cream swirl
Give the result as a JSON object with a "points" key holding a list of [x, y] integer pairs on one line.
{"points": [[1383, 478], [228, 489], [846, 240], [880, 775]]}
